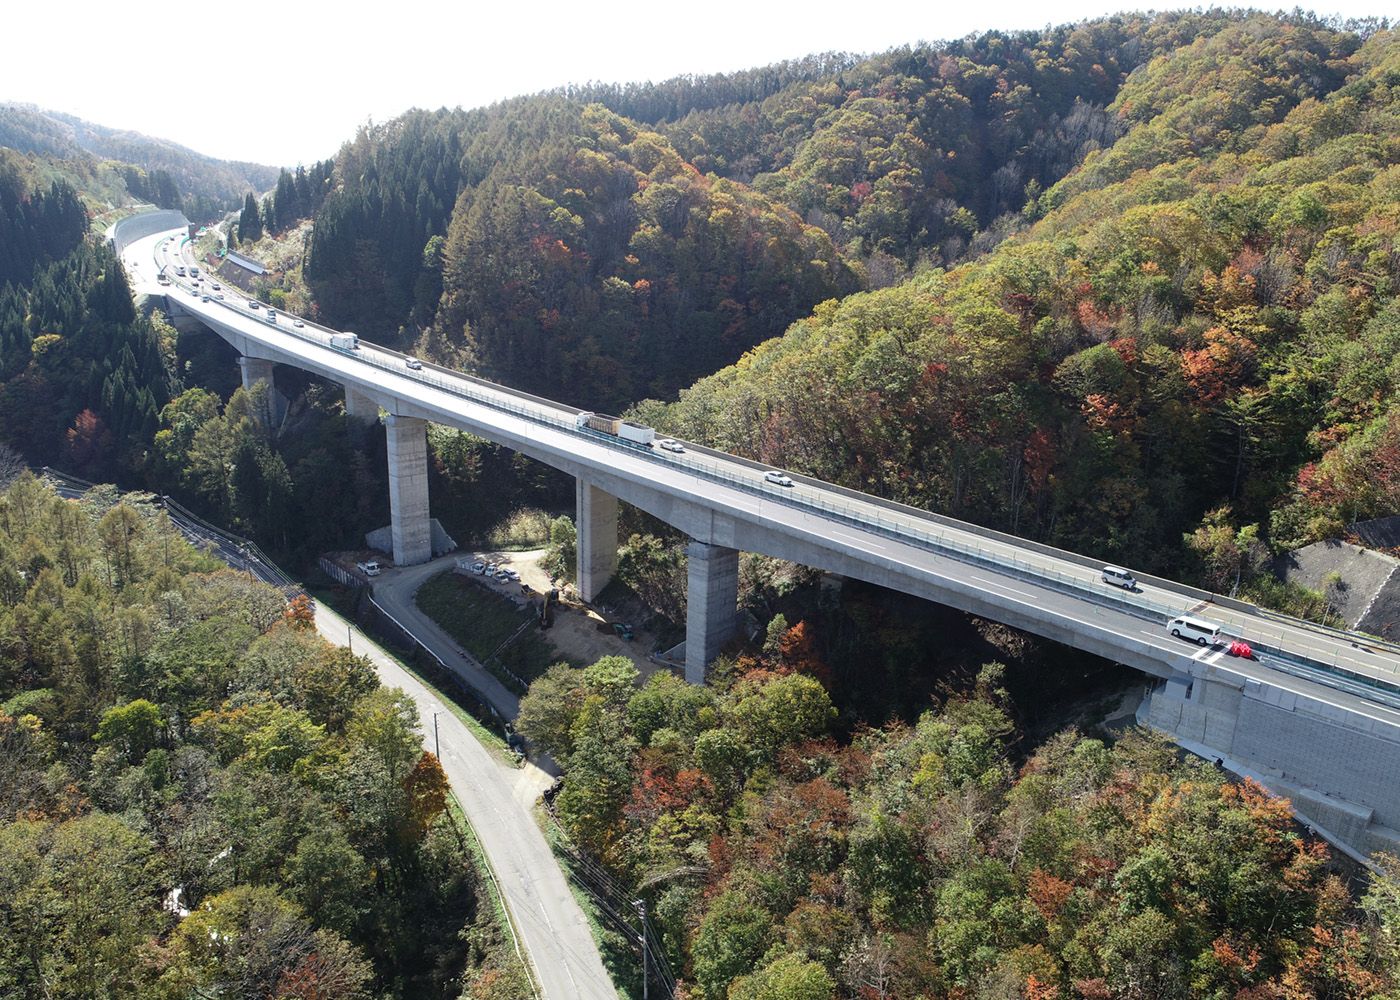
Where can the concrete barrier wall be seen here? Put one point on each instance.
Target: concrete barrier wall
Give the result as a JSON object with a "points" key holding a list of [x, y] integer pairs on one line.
{"points": [[138, 227], [1349, 763]]}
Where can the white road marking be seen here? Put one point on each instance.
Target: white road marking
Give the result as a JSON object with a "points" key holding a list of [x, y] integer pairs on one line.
{"points": [[1001, 586]]}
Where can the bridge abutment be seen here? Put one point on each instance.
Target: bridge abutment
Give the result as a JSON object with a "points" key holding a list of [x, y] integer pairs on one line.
{"points": [[712, 605], [259, 371], [1334, 763], [597, 539], [409, 526]]}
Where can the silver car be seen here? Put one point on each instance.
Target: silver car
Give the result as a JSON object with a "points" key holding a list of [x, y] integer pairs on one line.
{"points": [[777, 478]]}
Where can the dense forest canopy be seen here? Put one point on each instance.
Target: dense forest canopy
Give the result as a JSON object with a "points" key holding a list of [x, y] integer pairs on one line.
{"points": [[1198, 332], [938, 859], [198, 795], [81, 372]]}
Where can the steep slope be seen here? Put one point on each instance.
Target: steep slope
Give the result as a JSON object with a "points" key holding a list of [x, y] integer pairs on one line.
{"points": [[910, 153], [153, 169], [604, 256], [583, 256], [1205, 318]]}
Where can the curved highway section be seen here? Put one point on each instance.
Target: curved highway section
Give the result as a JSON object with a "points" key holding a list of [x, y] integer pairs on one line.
{"points": [[1351, 680]]}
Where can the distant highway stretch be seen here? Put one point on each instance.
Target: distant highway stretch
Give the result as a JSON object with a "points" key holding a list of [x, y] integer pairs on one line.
{"points": [[1005, 577]]}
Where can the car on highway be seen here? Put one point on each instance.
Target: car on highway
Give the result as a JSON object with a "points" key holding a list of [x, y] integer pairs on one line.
{"points": [[298, 324], [1198, 630], [1118, 577], [254, 304], [219, 296], [413, 363], [216, 286], [777, 478], [670, 444]]}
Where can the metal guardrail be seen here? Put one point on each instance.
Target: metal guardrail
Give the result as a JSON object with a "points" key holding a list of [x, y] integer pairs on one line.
{"points": [[931, 535]]}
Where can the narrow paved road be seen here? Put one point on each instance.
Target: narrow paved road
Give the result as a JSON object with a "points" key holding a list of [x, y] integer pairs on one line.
{"points": [[394, 592], [498, 799]]}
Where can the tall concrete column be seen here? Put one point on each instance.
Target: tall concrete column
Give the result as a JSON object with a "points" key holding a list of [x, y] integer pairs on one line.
{"points": [[259, 370], [597, 539], [712, 605], [360, 406], [408, 489]]}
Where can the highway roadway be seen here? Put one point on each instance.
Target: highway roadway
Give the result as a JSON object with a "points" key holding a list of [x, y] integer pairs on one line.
{"points": [[1008, 570]]}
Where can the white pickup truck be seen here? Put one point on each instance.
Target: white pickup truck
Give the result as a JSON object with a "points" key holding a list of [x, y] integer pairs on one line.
{"points": [[369, 568]]}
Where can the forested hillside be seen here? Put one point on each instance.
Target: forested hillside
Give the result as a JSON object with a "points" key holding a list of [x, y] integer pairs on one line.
{"points": [[198, 795], [1198, 335], [938, 858], [83, 376], [604, 243], [1128, 280], [154, 170]]}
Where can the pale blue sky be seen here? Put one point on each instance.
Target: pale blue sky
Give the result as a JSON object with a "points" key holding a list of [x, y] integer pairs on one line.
{"points": [[288, 82]]}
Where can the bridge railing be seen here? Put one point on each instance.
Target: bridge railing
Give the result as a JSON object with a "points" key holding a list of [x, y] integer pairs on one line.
{"points": [[908, 525]]}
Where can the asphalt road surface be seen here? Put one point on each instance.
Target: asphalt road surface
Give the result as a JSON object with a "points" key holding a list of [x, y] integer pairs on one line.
{"points": [[499, 800]]}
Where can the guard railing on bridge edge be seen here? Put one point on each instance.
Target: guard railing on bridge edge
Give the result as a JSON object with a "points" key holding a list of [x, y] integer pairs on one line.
{"points": [[935, 542]]}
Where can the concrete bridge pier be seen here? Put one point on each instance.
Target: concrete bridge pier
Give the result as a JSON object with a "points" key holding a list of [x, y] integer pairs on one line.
{"points": [[408, 489], [597, 539], [259, 370], [712, 605], [360, 407]]}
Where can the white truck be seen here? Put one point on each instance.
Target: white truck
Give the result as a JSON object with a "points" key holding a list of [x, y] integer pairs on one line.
{"points": [[345, 341], [617, 427], [370, 567]]}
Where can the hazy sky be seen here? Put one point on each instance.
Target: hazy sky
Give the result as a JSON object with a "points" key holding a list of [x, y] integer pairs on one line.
{"points": [[282, 83]]}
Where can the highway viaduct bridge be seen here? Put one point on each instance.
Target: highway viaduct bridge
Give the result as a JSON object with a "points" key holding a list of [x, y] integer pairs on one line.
{"points": [[1315, 717]]}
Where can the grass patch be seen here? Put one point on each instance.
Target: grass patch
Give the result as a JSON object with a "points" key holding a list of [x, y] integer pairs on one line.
{"points": [[522, 529], [481, 620], [502, 972], [1291, 599]]}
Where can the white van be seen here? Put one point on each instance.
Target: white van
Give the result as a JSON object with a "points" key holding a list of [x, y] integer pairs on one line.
{"points": [[1118, 577], [1196, 629]]}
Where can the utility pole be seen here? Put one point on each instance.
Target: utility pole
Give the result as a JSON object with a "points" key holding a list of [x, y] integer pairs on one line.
{"points": [[436, 752], [641, 907]]}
